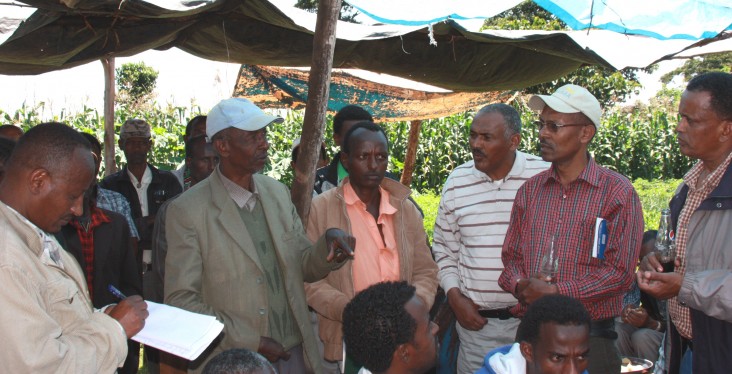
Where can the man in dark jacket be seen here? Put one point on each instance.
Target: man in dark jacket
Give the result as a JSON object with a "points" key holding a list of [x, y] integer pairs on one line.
{"points": [[143, 185], [100, 241], [700, 287]]}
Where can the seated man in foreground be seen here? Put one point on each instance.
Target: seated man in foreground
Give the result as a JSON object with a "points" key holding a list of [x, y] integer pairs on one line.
{"points": [[387, 329], [553, 337]]}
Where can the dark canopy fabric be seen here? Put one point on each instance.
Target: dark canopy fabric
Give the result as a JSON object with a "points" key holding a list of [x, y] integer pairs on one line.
{"points": [[68, 33]]}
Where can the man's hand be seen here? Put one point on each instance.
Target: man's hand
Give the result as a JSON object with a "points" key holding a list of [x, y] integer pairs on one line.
{"points": [[528, 290], [340, 245], [272, 350], [130, 313], [637, 318], [466, 311], [662, 286], [650, 263]]}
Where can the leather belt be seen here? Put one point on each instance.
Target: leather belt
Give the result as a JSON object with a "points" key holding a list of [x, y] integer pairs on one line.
{"points": [[502, 314], [604, 328]]}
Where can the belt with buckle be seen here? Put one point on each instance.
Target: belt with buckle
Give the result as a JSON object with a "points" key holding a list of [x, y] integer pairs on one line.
{"points": [[502, 314]]}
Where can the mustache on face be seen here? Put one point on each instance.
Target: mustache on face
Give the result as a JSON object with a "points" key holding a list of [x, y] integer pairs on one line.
{"points": [[477, 152]]}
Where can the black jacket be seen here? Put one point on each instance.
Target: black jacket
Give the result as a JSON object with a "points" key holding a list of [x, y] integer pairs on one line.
{"points": [[163, 186]]}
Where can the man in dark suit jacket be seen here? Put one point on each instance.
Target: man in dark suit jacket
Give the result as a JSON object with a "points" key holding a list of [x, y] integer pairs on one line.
{"points": [[100, 242]]}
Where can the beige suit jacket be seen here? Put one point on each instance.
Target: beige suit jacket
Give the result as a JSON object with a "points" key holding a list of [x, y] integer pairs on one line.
{"points": [[212, 266]]}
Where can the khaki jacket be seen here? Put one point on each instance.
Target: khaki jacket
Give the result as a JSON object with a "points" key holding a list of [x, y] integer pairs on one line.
{"points": [[329, 296], [47, 322], [212, 266]]}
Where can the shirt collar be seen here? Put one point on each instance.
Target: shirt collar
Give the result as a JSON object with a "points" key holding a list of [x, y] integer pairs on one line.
{"points": [[96, 219], [519, 164], [146, 176], [590, 174], [691, 177], [241, 196], [351, 198]]}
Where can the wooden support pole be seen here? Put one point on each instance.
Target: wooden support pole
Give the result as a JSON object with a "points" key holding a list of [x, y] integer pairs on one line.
{"points": [[109, 95], [314, 122], [411, 157]]}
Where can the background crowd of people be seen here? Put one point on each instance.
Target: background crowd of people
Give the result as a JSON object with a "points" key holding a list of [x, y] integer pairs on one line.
{"points": [[542, 260]]}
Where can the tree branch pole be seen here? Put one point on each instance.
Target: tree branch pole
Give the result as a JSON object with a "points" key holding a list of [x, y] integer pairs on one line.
{"points": [[314, 122], [411, 158], [109, 96]]}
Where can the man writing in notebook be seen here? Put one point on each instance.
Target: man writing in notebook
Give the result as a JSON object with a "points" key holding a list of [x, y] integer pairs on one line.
{"points": [[47, 321], [562, 206]]}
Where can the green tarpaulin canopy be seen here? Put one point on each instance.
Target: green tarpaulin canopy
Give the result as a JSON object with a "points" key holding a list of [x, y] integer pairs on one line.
{"points": [[63, 34]]}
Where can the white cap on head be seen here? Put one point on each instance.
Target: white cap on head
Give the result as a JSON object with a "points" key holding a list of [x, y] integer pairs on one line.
{"points": [[239, 113], [570, 98]]}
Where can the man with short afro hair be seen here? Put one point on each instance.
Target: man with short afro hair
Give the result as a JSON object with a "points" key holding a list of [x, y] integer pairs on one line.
{"points": [[552, 338], [239, 361], [330, 176], [387, 329]]}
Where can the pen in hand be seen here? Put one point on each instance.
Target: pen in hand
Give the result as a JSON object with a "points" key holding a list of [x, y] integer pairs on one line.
{"points": [[117, 293]]}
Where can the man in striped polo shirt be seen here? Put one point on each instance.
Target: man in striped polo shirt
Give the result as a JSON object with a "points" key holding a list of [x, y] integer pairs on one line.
{"points": [[471, 224]]}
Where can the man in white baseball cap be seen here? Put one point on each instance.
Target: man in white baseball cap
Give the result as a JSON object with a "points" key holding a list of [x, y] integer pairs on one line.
{"points": [[565, 208], [237, 249]]}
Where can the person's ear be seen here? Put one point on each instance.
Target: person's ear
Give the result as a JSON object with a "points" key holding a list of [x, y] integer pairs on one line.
{"points": [[515, 141], [40, 179], [527, 351], [587, 133], [402, 354], [121, 144], [221, 146], [726, 134]]}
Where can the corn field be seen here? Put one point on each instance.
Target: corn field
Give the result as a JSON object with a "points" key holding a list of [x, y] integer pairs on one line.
{"points": [[640, 143]]}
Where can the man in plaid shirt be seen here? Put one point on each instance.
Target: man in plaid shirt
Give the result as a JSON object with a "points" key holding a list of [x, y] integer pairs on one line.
{"points": [[565, 203], [700, 287]]}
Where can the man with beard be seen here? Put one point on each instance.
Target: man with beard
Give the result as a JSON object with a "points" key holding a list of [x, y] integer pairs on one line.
{"points": [[471, 224], [564, 214], [47, 321]]}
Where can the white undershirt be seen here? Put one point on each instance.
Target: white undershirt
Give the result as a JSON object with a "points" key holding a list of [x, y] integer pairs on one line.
{"points": [[141, 188]]}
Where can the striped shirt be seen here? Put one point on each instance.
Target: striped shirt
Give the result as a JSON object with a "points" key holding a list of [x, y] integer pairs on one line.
{"points": [[544, 207], [471, 224]]}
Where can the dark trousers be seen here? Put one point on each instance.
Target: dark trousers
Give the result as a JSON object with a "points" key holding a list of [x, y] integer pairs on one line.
{"points": [[604, 356], [711, 344]]}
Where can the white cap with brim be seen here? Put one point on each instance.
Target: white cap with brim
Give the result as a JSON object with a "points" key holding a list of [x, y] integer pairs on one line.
{"points": [[239, 113], [570, 98]]}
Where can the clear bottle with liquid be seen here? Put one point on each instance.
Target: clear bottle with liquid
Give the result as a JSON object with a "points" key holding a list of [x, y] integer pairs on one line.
{"points": [[665, 242], [550, 262]]}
